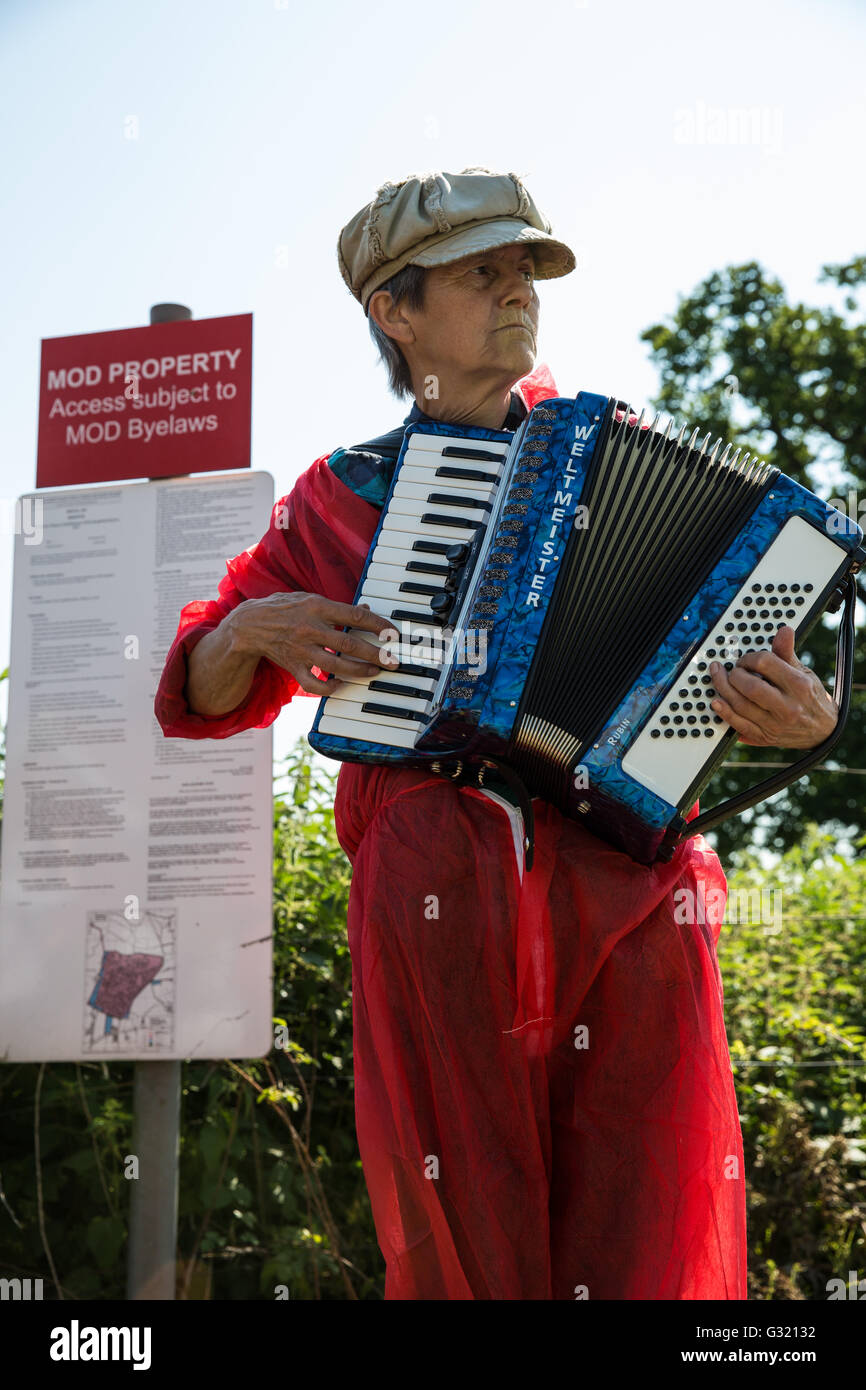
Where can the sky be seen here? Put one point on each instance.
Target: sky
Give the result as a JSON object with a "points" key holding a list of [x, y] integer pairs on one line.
{"points": [[209, 151]]}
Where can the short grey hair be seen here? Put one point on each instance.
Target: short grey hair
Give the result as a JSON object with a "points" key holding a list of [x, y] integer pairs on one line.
{"points": [[407, 284]]}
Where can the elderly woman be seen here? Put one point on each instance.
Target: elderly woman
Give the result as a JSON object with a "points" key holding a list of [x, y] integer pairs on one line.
{"points": [[543, 1091]]}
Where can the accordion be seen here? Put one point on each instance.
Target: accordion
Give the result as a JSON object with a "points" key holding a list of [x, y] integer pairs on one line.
{"points": [[557, 597]]}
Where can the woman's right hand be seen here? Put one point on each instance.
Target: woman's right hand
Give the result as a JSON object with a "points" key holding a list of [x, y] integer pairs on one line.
{"points": [[295, 631]]}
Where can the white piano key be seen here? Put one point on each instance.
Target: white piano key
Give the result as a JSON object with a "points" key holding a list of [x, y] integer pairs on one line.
{"points": [[351, 709], [490, 469], [433, 637], [431, 467], [358, 690], [375, 590], [427, 477], [396, 679], [417, 506], [430, 650], [417, 654], [386, 607], [392, 555], [398, 574], [396, 521], [367, 731], [405, 540], [435, 443], [412, 492], [386, 591]]}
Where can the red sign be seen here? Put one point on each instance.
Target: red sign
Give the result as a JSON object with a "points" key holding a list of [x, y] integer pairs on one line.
{"points": [[150, 402]]}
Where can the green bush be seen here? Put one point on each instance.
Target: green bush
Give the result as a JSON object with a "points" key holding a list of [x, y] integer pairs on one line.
{"points": [[794, 1010], [271, 1186]]}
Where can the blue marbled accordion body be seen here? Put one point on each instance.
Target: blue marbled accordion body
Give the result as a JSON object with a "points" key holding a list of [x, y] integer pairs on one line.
{"points": [[591, 567]]}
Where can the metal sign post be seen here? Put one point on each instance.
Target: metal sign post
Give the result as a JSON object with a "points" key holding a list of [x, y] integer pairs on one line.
{"points": [[153, 1200], [152, 1254]]}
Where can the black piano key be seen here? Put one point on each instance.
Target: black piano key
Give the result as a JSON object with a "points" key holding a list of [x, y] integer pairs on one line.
{"points": [[406, 615], [426, 567], [448, 499], [411, 692], [462, 523], [408, 668], [461, 451], [370, 707], [411, 588], [469, 475], [433, 547]]}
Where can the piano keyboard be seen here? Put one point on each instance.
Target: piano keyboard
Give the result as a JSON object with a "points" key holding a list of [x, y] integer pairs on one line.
{"points": [[444, 490]]}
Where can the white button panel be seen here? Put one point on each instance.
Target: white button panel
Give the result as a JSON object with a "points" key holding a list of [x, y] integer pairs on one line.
{"points": [[671, 750]]}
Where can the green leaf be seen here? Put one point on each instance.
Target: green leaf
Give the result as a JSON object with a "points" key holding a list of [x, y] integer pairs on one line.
{"points": [[82, 1161], [105, 1238], [211, 1143]]}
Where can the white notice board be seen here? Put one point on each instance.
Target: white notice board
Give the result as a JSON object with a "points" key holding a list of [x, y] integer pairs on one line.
{"points": [[136, 884]]}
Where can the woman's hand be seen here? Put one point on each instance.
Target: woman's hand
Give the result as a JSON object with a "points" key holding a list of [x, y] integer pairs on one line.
{"points": [[772, 699], [298, 631]]}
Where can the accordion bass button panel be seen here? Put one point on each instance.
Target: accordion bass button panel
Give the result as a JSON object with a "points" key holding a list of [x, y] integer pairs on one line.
{"points": [[683, 732]]}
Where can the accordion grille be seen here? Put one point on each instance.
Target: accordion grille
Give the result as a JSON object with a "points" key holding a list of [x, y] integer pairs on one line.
{"points": [[661, 513]]}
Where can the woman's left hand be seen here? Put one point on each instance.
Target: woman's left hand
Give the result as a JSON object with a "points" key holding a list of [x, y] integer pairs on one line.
{"points": [[772, 699]]}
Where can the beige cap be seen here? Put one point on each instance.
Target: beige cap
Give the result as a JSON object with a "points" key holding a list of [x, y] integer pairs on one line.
{"points": [[432, 219]]}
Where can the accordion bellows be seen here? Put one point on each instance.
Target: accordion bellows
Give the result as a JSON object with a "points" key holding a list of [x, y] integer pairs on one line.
{"points": [[598, 565]]}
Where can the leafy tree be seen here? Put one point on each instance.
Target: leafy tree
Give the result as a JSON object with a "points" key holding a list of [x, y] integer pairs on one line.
{"points": [[784, 380]]}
